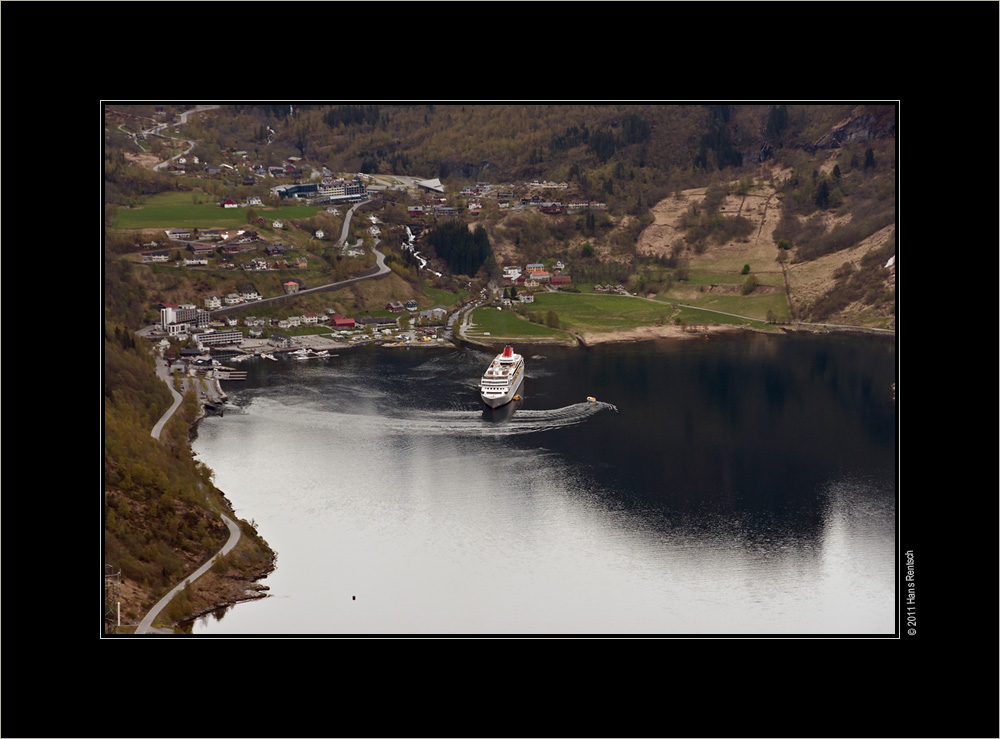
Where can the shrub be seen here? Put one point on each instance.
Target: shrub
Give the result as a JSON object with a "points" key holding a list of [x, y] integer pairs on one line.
{"points": [[843, 270]]}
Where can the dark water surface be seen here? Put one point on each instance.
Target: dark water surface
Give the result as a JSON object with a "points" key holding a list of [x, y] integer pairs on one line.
{"points": [[742, 485]]}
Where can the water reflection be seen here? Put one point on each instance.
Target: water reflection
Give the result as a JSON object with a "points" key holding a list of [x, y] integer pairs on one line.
{"points": [[715, 495]]}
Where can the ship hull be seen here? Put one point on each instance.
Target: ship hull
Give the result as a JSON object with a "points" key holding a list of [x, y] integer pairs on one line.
{"points": [[496, 401]]}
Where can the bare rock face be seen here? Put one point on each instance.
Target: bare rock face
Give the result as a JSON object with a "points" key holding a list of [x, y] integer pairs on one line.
{"points": [[865, 124]]}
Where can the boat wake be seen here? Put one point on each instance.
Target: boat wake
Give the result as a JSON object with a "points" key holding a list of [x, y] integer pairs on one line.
{"points": [[518, 422]]}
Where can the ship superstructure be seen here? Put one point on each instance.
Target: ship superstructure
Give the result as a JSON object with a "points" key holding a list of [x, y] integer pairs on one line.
{"points": [[502, 378]]}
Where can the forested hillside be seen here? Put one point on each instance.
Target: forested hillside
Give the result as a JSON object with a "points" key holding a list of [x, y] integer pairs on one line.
{"points": [[629, 156], [160, 507]]}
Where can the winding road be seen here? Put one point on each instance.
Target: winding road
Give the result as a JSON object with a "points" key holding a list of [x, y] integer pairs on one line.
{"points": [[155, 131], [163, 372], [146, 625], [381, 270]]}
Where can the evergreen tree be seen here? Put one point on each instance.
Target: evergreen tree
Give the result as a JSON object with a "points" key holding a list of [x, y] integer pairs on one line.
{"points": [[823, 195], [777, 121]]}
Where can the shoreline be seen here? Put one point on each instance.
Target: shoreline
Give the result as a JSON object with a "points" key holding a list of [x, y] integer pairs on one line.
{"points": [[659, 333], [653, 333]]}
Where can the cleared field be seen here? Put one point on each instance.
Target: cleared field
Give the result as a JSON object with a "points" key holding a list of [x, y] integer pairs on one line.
{"points": [[178, 210], [507, 325], [588, 312], [753, 306], [444, 297]]}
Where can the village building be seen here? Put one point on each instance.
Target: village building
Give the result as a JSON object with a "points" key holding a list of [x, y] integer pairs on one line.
{"points": [[248, 292], [220, 338]]}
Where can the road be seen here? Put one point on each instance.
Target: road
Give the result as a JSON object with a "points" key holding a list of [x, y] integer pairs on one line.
{"points": [[146, 625], [155, 131], [382, 269], [163, 372]]}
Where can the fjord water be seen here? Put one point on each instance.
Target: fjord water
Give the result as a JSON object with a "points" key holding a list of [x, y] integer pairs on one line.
{"points": [[736, 485]]}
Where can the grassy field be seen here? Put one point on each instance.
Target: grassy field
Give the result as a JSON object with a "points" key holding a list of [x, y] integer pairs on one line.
{"points": [[752, 306], [181, 210], [588, 313], [507, 325], [583, 312], [444, 297]]}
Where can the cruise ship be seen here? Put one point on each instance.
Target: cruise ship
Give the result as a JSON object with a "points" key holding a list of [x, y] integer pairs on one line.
{"points": [[502, 378]]}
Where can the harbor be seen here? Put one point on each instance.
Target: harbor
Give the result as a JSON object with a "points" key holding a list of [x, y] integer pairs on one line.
{"points": [[206, 369]]}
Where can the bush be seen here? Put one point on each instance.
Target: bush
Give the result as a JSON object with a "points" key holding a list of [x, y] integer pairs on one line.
{"points": [[843, 270]]}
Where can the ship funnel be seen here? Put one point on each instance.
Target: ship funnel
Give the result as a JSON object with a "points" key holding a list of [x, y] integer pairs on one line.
{"points": [[508, 352]]}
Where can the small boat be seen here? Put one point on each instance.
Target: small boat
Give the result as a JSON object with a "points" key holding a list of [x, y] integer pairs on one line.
{"points": [[591, 399]]}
